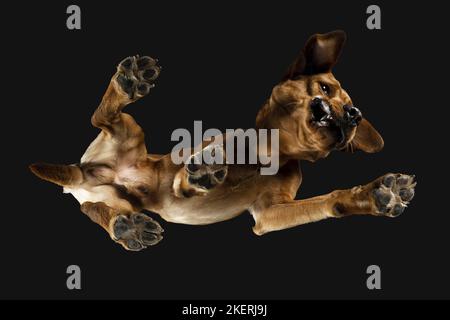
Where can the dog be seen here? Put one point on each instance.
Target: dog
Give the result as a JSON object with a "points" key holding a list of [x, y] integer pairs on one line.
{"points": [[117, 179]]}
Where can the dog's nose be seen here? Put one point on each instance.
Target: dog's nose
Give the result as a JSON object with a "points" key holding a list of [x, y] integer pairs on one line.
{"points": [[352, 115]]}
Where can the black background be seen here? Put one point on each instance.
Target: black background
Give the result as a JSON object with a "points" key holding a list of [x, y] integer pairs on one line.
{"points": [[220, 60]]}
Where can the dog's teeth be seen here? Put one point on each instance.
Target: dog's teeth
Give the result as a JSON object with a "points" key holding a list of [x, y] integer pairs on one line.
{"points": [[322, 123], [325, 117]]}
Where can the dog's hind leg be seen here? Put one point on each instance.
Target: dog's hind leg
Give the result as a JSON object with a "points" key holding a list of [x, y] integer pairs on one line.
{"points": [[386, 196], [121, 137], [134, 231], [133, 80]]}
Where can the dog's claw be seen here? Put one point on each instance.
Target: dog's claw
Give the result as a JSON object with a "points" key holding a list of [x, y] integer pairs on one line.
{"points": [[393, 194]]}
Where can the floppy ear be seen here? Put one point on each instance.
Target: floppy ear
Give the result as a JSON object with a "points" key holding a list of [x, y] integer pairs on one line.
{"points": [[319, 55], [366, 138]]}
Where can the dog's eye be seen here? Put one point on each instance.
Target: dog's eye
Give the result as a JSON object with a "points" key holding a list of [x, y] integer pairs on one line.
{"points": [[143, 189], [325, 89]]}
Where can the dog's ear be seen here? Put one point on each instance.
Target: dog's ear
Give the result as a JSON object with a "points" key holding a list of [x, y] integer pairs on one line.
{"points": [[319, 55], [366, 138]]}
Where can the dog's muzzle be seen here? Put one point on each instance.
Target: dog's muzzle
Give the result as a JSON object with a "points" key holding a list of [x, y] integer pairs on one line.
{"points": [[323, 116]]}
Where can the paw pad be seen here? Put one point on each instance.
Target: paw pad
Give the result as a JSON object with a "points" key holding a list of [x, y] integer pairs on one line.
{"points": [[207, 169], [135, 75], [136, 231], [393, 194]]}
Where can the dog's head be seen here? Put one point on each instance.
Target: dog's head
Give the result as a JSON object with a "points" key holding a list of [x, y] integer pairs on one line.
{"points": [[314, 113]]}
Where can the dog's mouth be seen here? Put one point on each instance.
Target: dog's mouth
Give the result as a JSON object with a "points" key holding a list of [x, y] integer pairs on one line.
{"points": [[321, 113], [323, 117]]}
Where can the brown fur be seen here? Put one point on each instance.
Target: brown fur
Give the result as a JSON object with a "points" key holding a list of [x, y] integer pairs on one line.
{"points": [[117, 178]]}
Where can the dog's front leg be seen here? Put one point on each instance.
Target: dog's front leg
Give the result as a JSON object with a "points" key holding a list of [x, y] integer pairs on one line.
{"points": [[386, 196], [134, 231]]}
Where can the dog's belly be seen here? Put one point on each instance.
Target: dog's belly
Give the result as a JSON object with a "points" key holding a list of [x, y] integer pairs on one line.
{"points": [[199, 216], [208, 209]]}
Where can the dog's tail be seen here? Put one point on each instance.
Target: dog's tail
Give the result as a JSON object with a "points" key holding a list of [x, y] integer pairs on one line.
{"points": [[62, 175]]}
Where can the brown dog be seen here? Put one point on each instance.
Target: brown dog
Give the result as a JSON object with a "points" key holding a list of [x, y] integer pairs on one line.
{"points": [[116, 178]]}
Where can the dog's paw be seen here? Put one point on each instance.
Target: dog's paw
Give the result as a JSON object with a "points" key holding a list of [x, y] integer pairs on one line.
{"points": [[206, 169], [136, 75], [136, 231], [392, 194]]}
